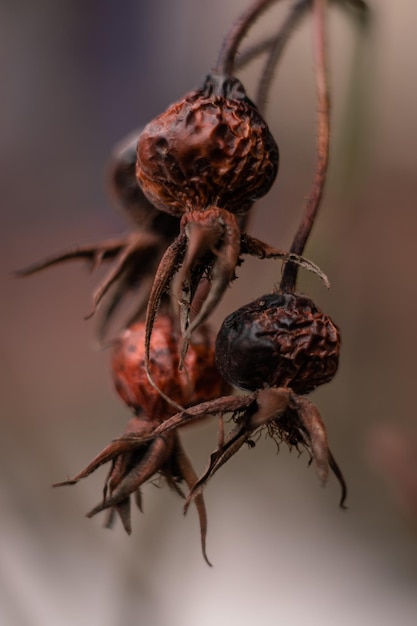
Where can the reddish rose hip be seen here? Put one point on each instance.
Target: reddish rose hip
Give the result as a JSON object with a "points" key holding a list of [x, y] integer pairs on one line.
{"points": [[212, 148], [279, 340], [198, 381]]}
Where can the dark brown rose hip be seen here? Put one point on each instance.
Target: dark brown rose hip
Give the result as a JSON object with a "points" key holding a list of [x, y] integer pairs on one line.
{"points": [[279, 340], [212, 148]]}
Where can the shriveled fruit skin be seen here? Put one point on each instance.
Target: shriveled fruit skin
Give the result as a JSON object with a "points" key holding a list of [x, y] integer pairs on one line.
{"points": [[278, 340], [198, 381], [212, 148]]}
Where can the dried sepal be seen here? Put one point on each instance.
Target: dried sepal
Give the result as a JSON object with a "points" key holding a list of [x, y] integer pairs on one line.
{"points": [[190, 477], [126, 285], [312, 423], [113, 449], [219, 406], [287, 417], [261, 250], [139, 247], [228, 448], [94, 253], [134, 257], [214, 232], [135, 459], [155, 456]]}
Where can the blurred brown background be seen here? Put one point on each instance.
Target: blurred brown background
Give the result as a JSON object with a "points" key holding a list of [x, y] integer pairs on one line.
{"points": [[76, 77]]}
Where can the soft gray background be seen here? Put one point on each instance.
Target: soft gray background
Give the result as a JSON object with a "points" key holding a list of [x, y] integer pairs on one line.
{"points": [[77, 76]]}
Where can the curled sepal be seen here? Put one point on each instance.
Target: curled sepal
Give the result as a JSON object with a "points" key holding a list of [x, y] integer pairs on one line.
{"points": [[289, 418], [228, 448], [115, 448], [134, 460], [167, 268], [315, 430], [297, 422], [156, 455], [187, 472], [338, 473], [219, 406], [122, 510], [134, 257], [265, 405], [139, 247], [94, 253], [213, 235], [261, 250], [126, 456]]}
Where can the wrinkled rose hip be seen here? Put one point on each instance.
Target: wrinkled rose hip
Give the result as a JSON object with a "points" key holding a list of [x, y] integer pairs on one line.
{"points": [[279, 340], [197, 382], [212, 148]]}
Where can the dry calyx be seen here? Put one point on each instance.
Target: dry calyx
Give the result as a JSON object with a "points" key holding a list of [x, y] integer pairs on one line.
{"points": [[135, 255], [164, 456]]}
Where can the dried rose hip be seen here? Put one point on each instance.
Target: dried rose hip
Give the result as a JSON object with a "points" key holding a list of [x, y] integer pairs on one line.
{"points": [[198, 381], [279, 340], [134, 461], [212, 148]]}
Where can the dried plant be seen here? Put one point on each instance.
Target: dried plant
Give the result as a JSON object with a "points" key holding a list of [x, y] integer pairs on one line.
{"points": [[189, 188]]}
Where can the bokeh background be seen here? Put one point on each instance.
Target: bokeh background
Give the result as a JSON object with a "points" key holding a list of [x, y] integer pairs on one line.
{"points": [[76, 77]]}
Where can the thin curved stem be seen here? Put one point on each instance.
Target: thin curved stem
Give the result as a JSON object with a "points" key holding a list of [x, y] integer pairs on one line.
{"points": [[275, 45], [254, 51], [290, 23], [226, 59], [290, 273]]}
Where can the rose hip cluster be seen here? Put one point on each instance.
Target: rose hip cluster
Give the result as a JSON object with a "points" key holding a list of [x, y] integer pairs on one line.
{"points": [[188, 182]]}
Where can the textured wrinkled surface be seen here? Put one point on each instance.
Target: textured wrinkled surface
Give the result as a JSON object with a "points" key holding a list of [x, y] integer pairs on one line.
{"points": [[279, 340], [207, 149], [198, 381]]}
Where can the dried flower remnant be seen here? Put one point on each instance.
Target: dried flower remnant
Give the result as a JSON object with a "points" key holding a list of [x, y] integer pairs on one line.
{"points": [[133, 465], [188, 190], [135, 255]]}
